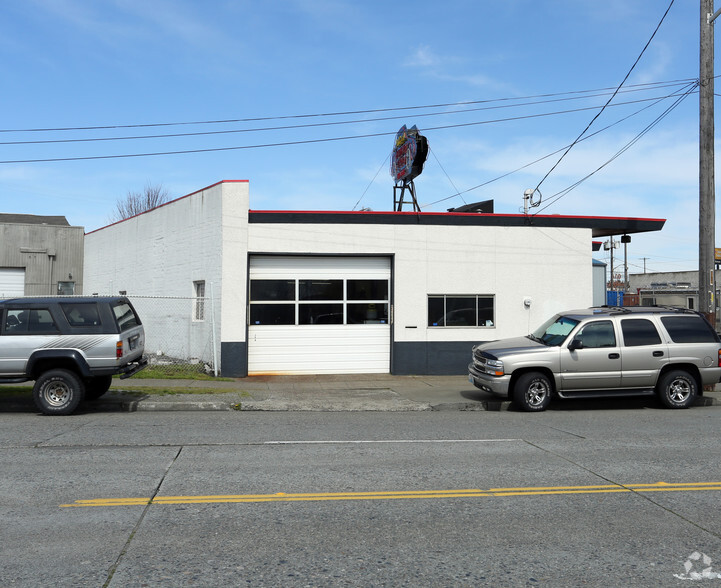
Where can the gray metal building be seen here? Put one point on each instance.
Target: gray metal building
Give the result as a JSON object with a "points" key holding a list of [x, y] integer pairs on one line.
{"points": [[40, 255]]}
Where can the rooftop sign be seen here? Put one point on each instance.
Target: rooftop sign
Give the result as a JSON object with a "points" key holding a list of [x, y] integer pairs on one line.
{"points": [[410, 150]]}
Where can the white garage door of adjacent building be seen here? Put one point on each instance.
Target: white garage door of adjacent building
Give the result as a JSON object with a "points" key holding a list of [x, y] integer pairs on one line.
{"points": [[319, 315], [12, 282]]}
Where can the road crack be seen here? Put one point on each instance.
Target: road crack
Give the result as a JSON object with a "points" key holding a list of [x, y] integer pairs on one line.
{"points": [[126, 547]]}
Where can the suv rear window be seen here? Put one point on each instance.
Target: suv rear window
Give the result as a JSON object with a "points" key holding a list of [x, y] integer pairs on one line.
{"points": [[689, 329], [125, 315]]}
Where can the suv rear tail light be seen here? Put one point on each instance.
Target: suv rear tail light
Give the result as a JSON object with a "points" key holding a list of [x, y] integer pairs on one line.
{"points": [[719, 358], [119, 351]]}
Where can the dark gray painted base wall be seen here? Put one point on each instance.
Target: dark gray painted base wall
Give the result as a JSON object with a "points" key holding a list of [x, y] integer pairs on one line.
{"points": [[408, 359], [448, 358], [234, 360]]}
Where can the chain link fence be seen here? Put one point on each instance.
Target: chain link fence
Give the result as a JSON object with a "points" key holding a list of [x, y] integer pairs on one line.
{"points": [[182, 338]]}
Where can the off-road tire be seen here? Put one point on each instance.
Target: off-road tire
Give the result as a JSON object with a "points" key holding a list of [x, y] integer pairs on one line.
{"points": [[97, 386], [677, 389], [58, 392], [532, 392]]}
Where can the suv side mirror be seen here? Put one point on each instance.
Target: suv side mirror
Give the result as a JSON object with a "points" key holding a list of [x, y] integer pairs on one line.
{"points": [[575, 344]]}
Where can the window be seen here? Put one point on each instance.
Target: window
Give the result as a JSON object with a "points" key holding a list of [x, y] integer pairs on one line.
{"points": [[199, 307], [81, 314], [23, 321], [638, 332], [460, 311], [318, 302], [689, 329], [66, 288], [555, 330], [597, 334], [125, 316]]}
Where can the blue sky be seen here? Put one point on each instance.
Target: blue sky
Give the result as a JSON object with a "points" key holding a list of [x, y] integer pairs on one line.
{"points": [[494, 86]]}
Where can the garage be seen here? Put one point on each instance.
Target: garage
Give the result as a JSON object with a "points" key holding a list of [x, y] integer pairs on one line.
{"points": [[319, 315], [12, 282]]}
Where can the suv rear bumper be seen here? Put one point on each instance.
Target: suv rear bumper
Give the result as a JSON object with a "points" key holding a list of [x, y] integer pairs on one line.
{"points": [[133, 367]]}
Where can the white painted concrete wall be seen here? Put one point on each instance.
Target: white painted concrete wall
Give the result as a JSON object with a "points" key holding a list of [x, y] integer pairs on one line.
{"points": [[202, 236], [551, 266]]}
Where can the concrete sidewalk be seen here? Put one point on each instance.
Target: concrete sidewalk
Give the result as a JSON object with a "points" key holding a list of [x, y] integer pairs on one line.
{"points": [[366, 392]]}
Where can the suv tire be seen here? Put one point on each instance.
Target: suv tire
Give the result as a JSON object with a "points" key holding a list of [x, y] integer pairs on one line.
{"points": [[97, 386], [677, 389], [532, 392], [58, 392]]}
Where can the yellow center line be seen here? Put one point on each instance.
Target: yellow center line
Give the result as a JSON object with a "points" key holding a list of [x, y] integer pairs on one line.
{"points": [[402, 494]]}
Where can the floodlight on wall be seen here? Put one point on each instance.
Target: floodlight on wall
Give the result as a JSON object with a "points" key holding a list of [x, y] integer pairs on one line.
{"points": [[527, 301]]}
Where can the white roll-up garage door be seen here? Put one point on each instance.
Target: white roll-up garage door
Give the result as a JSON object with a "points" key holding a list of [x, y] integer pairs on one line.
{"points": [[319, 315], [12, 282]]}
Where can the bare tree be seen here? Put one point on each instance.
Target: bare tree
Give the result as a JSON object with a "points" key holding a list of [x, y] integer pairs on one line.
{"points": [[137, 202]]}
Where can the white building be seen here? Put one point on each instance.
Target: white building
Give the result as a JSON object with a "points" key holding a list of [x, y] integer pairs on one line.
{"points": [[350, 292]]}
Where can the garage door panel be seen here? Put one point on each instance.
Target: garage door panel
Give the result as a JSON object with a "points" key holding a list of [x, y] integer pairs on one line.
{"points": [[12, 282], [319, 349]]}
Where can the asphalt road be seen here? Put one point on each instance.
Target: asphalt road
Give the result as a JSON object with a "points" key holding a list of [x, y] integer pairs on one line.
{"points": [[593, 494]]}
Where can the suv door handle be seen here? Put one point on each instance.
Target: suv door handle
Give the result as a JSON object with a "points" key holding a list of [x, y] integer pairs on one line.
{"points": [[613, 356], [658, 353]]}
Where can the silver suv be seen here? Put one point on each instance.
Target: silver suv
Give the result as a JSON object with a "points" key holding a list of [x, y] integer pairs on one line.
{"points": [[70, 346], [603, 351]]}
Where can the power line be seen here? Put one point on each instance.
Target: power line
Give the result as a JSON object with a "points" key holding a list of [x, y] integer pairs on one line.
{"points": [[658, 26], [312, 141], [635, 87], [690, 88], [556, 197], [300, 126]]}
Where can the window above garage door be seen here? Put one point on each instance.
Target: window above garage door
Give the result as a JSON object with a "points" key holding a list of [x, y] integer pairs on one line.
{"points": [[318, 301]]}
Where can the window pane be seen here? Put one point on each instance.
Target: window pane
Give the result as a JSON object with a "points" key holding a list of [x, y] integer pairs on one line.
{"points": [[199, 308], [66, 288], [689, 329], [435, 311], [272, 314], [367, 289], [369, 313], [41, 321], [125, 316], [460, 311], [321, 290], [320, 314], [639, 332], [81, 314], [17, 321], [269, 290], [485, 311], [597, 334]]}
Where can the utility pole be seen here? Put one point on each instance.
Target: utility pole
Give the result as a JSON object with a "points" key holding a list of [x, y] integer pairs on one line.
{"points": [[707, 196]]}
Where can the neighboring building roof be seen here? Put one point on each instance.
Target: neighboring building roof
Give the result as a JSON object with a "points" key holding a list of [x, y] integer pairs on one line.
{"points": [[32, 219], [601, 226]]}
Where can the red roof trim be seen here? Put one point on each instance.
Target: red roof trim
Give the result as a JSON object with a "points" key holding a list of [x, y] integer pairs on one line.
{"points": [[459, 214]]}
